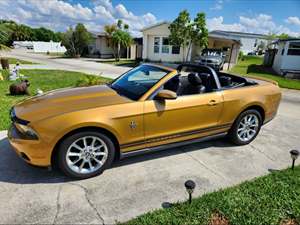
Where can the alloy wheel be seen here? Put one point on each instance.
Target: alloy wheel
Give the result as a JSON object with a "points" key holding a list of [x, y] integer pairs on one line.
{"points": [[248, 127], [87, 154]]}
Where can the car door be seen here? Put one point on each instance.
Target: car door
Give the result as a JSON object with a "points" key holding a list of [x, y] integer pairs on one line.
{"points": [[186, 117]]}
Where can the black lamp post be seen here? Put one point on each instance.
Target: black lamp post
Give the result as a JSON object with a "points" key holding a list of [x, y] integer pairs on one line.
{"points": [[190, 186], [294, 155]]}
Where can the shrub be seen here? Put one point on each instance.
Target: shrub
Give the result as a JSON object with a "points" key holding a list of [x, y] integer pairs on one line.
{"points": [[241, 56], [89, 80], [5, 74]]}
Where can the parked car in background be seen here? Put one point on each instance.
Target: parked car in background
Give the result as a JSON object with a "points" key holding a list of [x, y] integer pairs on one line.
{"points": [[148, 108], [211, 57]]}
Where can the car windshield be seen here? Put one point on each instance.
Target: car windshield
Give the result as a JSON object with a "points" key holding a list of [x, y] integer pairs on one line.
{"points": [[136, 82], [211, 52]]}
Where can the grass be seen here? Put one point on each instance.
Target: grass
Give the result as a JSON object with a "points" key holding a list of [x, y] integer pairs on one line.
{"points": [[46, 80], [14, 61], [252, 65], [122, 62], [268, 200]]}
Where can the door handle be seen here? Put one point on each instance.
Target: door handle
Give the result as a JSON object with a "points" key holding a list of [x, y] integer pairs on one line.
{"points": [[212, 102]]}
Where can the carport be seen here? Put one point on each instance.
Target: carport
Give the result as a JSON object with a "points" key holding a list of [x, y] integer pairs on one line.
{"points": [[229, 46]]}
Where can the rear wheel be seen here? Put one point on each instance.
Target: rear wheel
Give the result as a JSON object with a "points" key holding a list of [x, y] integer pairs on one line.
{"points": [[85, 154], [246, 127]]}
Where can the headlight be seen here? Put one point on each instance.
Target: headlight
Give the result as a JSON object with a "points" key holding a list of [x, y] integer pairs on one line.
{"points": [[27, 131]]}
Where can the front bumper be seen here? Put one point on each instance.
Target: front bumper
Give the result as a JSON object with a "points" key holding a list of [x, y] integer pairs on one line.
{"points": [[34, 152]]}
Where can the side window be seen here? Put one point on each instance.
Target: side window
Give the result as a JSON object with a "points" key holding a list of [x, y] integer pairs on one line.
{"points": [[156, 44], [165, 45], [294, 48], [176, 50]]}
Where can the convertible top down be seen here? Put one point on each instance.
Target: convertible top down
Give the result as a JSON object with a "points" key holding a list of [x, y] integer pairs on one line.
{"points": [[83, 130]]}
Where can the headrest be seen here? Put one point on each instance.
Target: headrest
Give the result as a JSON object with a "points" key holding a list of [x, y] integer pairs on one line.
{"points": [[194, 79], [225, 81], [204, 76]]}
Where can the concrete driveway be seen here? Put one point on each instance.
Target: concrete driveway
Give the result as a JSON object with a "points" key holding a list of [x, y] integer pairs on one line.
{"points": [[140, 184], [85, 65]]}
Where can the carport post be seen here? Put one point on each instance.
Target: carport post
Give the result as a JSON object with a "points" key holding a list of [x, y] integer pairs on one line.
{"points": [[230, 56]]}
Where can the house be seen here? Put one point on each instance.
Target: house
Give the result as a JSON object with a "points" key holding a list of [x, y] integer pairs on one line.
{"points": [[101, 47], [156, 46], [286, 57], [249, 41], [40, 46]]}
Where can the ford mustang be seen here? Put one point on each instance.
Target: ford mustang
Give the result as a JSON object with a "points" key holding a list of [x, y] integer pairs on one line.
{"points": [[151, 107]]}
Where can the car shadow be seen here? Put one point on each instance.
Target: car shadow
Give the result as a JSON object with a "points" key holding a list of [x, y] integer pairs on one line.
{"points": [[14, 170]]}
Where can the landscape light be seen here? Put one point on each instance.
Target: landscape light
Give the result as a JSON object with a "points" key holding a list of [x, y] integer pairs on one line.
{"points": [[294, 155], [190, 186]]}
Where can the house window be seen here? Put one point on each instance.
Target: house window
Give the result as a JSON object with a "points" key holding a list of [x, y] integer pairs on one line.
{"points": [[175, 49], [294, 48], [165, 45], [156, 44]]}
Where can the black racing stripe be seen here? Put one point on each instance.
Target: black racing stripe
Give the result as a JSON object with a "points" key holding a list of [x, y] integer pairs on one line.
{"points": [[182, 134]]}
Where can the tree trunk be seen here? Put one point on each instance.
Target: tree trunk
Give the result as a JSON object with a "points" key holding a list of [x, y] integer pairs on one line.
{"points": [[119, 48], [188, 52]]}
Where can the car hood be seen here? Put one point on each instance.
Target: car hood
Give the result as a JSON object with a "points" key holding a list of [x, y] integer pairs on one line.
{"points": [[67, 100]]}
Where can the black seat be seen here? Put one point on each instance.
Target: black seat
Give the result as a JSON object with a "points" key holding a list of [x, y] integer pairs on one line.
{"points": [[194, 85], [207, 81], [173, 84], [225, 81]]}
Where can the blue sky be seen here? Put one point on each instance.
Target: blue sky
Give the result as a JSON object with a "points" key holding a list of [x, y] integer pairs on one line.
{"points": [[254, 16]]}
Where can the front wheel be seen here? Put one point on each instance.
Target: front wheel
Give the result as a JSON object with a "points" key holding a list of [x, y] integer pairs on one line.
{"points": [[246, 127], [85, 154]]}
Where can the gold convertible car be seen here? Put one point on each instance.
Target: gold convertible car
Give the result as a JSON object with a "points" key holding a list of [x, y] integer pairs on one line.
{"points": [[83, 130]]}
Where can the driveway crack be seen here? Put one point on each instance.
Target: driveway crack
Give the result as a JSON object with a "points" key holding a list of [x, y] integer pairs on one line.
{"points": [[257, 149], [89, 201], [57, 204], [203, 164]]}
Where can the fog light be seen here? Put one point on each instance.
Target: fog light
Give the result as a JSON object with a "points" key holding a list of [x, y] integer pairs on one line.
{"points": [[294, 155], [190, 186]]}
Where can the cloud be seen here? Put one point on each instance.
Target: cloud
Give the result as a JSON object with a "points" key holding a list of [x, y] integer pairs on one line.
{"points": [[294, 20], [59, 15], [261, 24], [218, 5]]}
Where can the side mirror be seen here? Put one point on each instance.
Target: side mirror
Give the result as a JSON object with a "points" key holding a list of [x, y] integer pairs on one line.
{"points": [[166, 94]]}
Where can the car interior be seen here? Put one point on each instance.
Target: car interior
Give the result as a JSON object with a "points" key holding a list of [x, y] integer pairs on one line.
{"points": [[191, 82]]}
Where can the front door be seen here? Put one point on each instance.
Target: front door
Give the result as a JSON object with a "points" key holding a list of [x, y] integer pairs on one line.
{"points": [[186, 117]]}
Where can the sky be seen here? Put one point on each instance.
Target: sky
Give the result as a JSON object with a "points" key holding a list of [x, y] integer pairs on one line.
{"points": [[253, 16]]}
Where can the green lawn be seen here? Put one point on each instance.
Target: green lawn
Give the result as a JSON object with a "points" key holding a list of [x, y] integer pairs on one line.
{"points": [[268, 200], [44, 79], [14, 61], [252, 65]]}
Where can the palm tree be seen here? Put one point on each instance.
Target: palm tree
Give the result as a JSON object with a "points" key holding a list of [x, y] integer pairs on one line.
{"points": [[109, 30]]}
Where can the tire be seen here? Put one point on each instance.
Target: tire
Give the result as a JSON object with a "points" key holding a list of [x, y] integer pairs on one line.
{"points": [[239, 134], [92, 149]]}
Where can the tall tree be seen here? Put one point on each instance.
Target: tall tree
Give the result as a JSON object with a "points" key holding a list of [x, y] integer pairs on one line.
{"points": [[76, 40], [109, 30], [119, 36], [185, 33]]}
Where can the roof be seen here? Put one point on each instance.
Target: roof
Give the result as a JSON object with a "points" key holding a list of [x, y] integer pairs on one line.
{"points": [[155, 25], [211, 34], [98, 34], [239, 34]]}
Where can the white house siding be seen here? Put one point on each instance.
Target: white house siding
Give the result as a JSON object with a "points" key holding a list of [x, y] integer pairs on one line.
{"points": [[40, 46], [148, 45], [283, 61]]}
